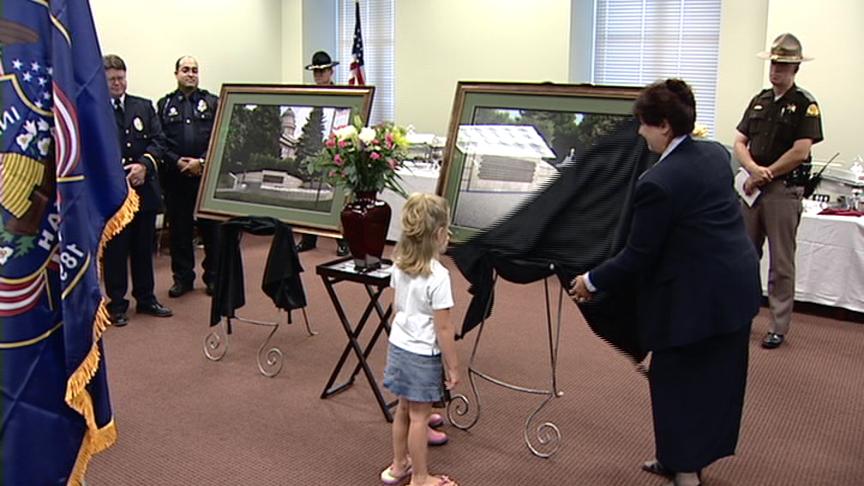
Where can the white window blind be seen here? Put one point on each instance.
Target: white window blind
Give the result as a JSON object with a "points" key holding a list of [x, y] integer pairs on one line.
{"points": [[377, 18], [637, 42]]}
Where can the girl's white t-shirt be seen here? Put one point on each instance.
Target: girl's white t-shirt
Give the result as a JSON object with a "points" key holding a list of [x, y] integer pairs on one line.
{"points": [[417, 298]]}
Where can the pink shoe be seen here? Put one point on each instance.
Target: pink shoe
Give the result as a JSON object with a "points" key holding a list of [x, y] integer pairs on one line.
{"points": [[436, 420], [435, 437]]}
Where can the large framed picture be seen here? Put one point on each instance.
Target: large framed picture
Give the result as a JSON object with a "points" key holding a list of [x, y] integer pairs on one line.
{"points": [[507, 141], [262, 138]]}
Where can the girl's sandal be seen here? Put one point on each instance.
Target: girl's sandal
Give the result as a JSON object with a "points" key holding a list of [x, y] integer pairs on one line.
{"points": [[446, 481], [390, 479]]}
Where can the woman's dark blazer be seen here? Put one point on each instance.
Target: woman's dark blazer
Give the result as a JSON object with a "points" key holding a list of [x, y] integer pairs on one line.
{"points": [[688, 249]]}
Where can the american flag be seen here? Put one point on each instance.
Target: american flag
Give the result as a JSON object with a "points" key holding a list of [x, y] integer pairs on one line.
{"points": [[357, 76]]}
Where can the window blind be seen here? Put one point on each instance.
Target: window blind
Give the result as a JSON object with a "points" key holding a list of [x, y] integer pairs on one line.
{"points": [[637, 42], [377, 18]]}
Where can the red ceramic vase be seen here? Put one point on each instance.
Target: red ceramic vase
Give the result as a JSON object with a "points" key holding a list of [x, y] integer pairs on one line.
{"points": [[365, 221]]}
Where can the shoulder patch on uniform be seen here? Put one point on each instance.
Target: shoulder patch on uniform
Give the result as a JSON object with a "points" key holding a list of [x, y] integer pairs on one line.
{"points": [[813, 110], [807, 95]]}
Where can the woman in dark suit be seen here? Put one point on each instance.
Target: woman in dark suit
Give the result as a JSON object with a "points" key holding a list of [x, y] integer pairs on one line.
{"points": [[699, 287]]}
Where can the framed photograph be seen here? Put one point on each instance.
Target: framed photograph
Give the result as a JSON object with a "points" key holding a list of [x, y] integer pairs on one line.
{"points": [[262, 138], [507, 141]]}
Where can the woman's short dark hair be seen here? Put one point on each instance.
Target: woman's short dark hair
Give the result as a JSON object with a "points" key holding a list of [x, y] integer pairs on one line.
{"points": [[670, 100], [113, 61]]}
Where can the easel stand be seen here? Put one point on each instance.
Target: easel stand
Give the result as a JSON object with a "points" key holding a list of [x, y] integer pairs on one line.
{"points": [[269, 359], [544, 440]]}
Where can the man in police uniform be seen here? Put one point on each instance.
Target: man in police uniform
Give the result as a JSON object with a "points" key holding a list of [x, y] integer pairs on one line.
{"points": [[773, 144], [322, 71], [187, 116], [139, 137]]}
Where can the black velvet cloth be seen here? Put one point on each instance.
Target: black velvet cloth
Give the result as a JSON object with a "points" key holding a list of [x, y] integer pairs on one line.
{"points": [[577, 222], [281, 280]]}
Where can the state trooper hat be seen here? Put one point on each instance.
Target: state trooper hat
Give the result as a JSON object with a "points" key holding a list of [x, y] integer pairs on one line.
{"points": [[321, 60], [786, 48]]}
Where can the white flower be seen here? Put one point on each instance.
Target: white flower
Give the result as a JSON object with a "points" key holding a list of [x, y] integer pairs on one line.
{"points": [[30, 126], [5, 253], [43, 125], [24, 140], [348, 131], [44, 144], [366, 135]]}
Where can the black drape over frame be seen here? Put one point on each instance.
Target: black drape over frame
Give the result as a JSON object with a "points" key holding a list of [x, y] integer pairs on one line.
{"points": [[281, 281], [580, 220]]}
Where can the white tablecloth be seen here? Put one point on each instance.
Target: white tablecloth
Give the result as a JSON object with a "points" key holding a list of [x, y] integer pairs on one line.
{"points": [[829, 263]]}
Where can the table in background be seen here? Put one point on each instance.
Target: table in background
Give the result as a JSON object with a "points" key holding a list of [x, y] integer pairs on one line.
{"points": [[829, 262]]}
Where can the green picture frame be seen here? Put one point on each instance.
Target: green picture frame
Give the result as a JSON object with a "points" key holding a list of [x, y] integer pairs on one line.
{"points": [[261, 137], [506, 141]]}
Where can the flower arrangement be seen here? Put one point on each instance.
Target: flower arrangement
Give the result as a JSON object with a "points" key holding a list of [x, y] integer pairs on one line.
{"points": [[363, 159]]}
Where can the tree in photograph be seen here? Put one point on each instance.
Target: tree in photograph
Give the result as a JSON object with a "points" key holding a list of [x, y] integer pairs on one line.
{"points": [[311, 141]]}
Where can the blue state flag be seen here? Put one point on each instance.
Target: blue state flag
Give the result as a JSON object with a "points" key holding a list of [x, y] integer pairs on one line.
{"points": [[63, 195]]}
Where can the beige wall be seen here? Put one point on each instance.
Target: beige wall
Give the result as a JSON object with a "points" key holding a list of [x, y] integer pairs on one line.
{"points": [[740, 72], [441, 42], [832, 31], [444, 41], [292, 42], [232, 44]]}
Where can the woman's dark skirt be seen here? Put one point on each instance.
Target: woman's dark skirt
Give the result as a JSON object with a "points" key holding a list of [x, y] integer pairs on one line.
{"points": [[697, 394]]}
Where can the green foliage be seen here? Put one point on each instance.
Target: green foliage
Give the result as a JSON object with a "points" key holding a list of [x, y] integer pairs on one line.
{"points": [[311, 143], [492, 116], [363, 159], [251, 131]]}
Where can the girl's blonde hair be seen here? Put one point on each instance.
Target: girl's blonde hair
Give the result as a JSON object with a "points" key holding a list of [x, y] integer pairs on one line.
{"points": [[422, 216]]}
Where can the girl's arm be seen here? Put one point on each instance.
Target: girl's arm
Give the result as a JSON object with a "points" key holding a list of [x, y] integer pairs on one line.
{"points": [[446, 332]]}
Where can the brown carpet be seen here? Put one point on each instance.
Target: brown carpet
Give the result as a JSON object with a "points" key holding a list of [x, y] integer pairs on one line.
{"points": [[184, 420]]}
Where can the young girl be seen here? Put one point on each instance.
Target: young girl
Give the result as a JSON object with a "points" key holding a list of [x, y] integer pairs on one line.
{"points": [[422, 344]]}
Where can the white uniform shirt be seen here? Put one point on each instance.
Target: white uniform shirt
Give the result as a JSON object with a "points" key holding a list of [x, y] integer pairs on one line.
{"points": [[417, 298]]}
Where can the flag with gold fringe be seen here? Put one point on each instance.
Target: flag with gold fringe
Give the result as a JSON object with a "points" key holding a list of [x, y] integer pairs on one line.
{"points": [[63, 194]]}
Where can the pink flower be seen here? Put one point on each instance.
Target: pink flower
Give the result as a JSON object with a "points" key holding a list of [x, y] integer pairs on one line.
{"points": [[375, 141], [389, 138], [342, 143], [374, 156], [332, 173], [330, 143], [392, 163], [337, 159]]}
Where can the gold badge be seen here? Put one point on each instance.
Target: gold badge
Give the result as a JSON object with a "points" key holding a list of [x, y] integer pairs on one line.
{"points": [[202, 106], [813, 110], [138, 124]]}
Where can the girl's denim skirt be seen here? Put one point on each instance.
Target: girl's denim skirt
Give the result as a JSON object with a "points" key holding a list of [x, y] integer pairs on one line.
{"points": [[414, 376]]}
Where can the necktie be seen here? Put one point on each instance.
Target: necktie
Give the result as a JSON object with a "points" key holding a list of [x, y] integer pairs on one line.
{"points": [[118, 112]]}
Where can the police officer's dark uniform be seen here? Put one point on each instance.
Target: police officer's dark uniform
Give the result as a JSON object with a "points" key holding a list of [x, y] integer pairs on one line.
{"points": [[772, 126], [140, 143], [187, 122]]}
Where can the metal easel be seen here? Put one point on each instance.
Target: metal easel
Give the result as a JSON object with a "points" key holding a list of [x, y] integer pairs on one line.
{"points": [[269, 359], [544, 440]]}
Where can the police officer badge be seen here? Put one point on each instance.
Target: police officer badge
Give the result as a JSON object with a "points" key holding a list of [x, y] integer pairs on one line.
{"points": [[202, 106], [813, 110], [172, 111], [138, 124]]}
